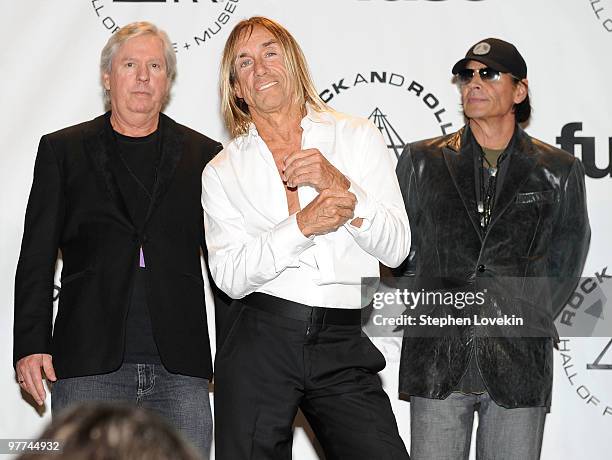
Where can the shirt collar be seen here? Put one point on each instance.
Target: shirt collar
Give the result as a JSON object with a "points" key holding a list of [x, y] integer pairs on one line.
{"points": [[313, 116]]}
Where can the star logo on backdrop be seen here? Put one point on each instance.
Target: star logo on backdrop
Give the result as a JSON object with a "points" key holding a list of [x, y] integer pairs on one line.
{"points": [[392, 137]]}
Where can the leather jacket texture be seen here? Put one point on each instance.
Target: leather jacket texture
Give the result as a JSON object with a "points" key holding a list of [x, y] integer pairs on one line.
{"points": [[533, 251]]}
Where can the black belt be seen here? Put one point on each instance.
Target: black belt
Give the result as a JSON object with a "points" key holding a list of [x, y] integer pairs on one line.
{"points": [[301, 312]]}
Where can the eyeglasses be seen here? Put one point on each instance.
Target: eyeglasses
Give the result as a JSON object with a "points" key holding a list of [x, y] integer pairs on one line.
{"points": [[464, 76]]}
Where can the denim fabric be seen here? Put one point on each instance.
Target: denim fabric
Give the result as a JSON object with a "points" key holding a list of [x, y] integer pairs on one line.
{"points": [[441, 429], [182, 400]]}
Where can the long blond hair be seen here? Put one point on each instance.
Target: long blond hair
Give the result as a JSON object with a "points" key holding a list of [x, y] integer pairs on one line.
{"points": [[235, 111]]}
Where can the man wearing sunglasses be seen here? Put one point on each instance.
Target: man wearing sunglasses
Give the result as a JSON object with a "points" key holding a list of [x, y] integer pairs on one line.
{"points": [[489, 206]]}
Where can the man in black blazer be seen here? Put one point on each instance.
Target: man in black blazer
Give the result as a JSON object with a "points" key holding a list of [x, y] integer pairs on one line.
{"points": [[119, 197], [495, 211]]}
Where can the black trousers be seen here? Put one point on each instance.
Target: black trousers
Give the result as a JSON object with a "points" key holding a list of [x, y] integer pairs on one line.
{"points": [[270, 364]]}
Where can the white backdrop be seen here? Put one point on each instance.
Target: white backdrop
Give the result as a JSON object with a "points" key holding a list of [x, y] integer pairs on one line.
{"points": [[49, 73]]}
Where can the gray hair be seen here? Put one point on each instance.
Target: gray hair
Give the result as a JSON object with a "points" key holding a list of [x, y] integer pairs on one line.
{"points": [[127, 32]]}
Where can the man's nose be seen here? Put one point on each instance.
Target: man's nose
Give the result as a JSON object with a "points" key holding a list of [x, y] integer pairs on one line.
{"points": [[142, 73], [476, 81], [260, 67]]}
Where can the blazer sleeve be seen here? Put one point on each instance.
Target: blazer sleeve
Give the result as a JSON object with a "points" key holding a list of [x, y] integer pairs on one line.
{"points": [[208, 154], [36, 266], [570, 239]]}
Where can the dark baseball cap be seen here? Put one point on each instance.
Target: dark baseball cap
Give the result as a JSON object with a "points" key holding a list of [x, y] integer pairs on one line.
{"points": [[498, 55]]}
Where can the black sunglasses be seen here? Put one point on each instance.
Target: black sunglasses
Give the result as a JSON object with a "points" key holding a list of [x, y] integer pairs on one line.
{"points": [[464, 76]]}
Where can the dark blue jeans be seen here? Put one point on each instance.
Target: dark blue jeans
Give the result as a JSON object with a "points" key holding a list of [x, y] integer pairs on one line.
{"points": [[182, 400], [442, 429]]}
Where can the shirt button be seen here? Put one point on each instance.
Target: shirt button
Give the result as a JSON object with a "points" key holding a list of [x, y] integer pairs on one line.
{"points": [[481, 268]]}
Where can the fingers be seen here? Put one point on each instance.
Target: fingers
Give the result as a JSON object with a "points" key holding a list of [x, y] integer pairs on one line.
{"points": [[306, 175], [28, 386], [21, 380], [338, 203], [301, 159], [30, 377], [332, 210], [300, 154], [310, 167], [357, 222], [327, 212], [47, 362], [37, 385], [23, 374], [335, 193], [338, 198], [340, 214]]}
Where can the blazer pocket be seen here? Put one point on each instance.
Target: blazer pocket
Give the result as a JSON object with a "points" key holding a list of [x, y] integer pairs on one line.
{"points": [[543, 197], [74, 276]]}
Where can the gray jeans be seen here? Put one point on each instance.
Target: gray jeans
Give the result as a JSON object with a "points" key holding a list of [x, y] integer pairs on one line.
{"points": [[442, 429], [182, 400]]}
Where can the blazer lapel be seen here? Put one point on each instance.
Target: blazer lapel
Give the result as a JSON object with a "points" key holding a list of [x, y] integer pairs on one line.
{"points": [[171, 145], [458, 155], [522, 161], [99, 146]]}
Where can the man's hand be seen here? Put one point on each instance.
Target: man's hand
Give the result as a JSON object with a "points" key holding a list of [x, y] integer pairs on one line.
{"points": [[328, 211], [310, 167], [30, 377]]}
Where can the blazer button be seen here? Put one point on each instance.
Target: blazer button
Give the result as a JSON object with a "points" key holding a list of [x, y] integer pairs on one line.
{"points": [[481, 268]]}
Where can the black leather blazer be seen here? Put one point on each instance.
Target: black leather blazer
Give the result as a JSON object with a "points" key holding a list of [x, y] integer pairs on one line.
{"points": [[538, 230], [77, 206]]}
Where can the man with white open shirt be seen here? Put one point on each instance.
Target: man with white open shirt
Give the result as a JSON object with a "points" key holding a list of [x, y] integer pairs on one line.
{"points": [[299, 206]]}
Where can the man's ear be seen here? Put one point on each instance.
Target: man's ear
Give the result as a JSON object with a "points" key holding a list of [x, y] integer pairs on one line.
{"points": [[237, 91], [521, 91], [106, 81]]}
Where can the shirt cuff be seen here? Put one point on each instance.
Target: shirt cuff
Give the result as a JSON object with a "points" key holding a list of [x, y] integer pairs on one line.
{"points": [[364, 209], [289, 242]]}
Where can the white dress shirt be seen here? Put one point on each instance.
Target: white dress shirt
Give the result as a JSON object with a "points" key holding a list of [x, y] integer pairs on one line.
{"points": [[254, 245]]}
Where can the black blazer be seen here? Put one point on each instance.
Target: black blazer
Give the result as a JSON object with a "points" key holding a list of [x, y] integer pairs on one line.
{"points": [[77, 206], [539, 233]]}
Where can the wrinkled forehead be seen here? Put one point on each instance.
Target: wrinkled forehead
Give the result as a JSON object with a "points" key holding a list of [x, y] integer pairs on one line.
{"points": [[146, 45], [254, 35]]}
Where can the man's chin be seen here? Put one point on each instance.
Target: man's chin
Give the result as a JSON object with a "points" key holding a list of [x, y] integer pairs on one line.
{"points": [[270, 105], [475, 114], [144, 108]]}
